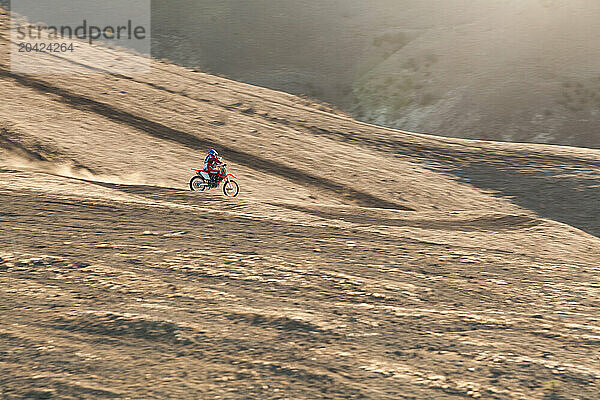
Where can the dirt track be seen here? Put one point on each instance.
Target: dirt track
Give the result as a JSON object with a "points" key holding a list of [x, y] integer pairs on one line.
{"points": [[358, 262], [141, 299]]}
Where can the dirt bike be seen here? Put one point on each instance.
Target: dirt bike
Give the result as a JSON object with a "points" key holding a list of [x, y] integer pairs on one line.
{"points": [[230, 187]]}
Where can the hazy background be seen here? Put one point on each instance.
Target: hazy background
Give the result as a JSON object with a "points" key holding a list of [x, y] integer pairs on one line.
{"points": [[517, 70]]}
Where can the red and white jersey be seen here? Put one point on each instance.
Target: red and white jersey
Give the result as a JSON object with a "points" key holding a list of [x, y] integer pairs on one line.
{"points": [[210, 162]]}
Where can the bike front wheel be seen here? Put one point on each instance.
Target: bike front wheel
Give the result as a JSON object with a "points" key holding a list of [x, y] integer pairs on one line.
{"points": [[231, 189]]}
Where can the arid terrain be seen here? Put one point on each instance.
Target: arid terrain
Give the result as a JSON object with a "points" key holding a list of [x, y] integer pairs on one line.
{"points": [[511, 70], [357, 262]]}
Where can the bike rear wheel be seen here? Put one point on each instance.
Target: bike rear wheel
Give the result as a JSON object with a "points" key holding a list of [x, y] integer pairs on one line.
{"points": [[197, 184], [231, 189]]}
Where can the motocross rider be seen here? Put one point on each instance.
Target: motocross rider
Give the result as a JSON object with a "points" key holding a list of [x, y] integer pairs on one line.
{"points": [[212, 163]]}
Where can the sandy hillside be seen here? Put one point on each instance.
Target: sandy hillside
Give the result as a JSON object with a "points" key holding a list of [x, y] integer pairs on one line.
{"points": [[357, 262], [513, 70]]}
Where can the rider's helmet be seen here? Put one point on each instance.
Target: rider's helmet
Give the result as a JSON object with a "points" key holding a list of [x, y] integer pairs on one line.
{"points": [[213, 153]]}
